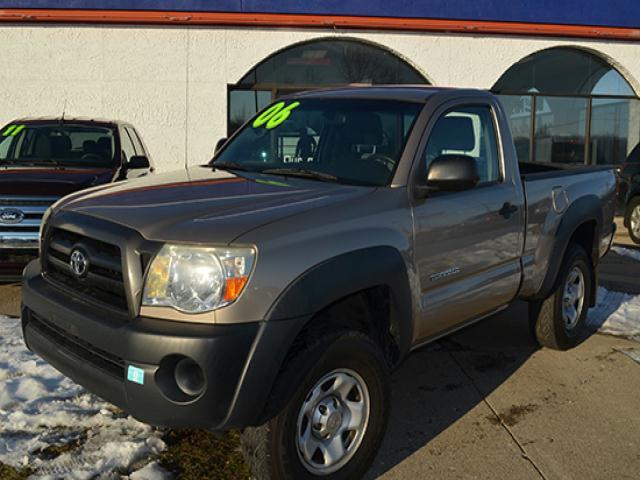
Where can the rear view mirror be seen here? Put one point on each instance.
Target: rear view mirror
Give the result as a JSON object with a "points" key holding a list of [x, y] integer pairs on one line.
{"points": [[219, 144], [452, 173], [138, 162]]}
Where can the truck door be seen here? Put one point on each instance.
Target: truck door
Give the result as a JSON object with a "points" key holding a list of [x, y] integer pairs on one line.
{"points": [[467, 243]]}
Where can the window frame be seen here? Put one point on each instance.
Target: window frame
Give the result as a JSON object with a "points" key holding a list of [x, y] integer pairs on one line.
{"points": [[588, 160], [135, 140], [419, 160], [122, 132]]}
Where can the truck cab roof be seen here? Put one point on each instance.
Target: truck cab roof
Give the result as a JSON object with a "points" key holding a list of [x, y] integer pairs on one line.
{"points": [[411, 93], [74, 120]]}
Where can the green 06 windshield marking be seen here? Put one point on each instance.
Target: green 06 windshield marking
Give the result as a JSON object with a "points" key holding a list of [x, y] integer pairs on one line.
{"points": [[13, 130], [274, 115]]}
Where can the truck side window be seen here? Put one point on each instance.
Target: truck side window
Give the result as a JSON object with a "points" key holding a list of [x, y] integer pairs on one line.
{"points": [[467, 131]]}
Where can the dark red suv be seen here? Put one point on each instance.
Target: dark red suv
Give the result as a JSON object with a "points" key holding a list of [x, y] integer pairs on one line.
{"points": [[44, 159]]}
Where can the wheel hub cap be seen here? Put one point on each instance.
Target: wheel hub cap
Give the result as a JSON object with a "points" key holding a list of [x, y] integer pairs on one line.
{"points": [[332, 421], [573, 298], [327, 418]]}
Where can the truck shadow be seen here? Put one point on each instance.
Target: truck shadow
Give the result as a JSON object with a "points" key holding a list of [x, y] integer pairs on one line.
{"points": [[442, 382]]}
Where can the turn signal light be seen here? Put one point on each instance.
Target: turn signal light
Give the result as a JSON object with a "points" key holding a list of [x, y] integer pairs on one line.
{"points": [[233, 288]]}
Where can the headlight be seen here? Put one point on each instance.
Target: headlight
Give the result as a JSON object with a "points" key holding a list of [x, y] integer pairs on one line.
{"points": [[197, 279]]}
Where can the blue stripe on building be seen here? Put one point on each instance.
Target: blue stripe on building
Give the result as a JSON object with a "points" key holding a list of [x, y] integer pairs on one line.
{"points": [[612, 13]]}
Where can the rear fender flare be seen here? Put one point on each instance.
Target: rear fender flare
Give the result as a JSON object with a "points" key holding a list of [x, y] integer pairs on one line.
{"points": [[583, 210]]}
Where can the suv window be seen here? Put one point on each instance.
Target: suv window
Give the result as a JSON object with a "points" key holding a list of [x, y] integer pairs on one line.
{"points": [[128, 150], [61, 143], [467, 131], [137, 144]]}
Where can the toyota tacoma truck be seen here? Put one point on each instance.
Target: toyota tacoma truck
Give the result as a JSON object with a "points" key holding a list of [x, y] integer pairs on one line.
{"points": [[44, 159], [273, 290]]}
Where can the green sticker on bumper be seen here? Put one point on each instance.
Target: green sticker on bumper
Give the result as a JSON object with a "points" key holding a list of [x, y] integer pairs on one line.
{"points": [[135, 375]]}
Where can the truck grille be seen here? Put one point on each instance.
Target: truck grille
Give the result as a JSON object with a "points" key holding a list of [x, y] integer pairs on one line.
{"points": [[20, 219], [102, 280]]}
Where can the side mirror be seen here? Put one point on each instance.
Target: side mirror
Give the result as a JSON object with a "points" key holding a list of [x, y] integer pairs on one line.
{"points": [[452, 173], [138, 162], [219, 144]]}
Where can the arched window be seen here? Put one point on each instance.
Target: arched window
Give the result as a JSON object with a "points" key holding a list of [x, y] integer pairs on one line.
{"points": [[568, 105], [315, 64]]}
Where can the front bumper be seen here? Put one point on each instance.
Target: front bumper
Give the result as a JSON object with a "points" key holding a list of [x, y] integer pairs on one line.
{"points": [[12, 263], [239, 362]]}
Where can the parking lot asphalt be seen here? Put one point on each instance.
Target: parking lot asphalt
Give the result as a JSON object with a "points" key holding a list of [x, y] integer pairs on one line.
{"points": [[487, 402]]}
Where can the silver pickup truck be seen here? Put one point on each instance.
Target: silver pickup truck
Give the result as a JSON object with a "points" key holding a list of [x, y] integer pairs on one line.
{"points": [[274, 289]]}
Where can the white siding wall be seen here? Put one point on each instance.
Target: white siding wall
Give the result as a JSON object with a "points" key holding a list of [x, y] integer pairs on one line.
{"points": [[171, 83]]}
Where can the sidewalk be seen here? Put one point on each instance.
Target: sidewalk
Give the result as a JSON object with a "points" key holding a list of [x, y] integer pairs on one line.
{"points": [[487, 403]]}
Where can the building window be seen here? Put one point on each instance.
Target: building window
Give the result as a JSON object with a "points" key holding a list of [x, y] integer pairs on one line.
{"points": [[561, 124], [315, 64], [578, 108]]}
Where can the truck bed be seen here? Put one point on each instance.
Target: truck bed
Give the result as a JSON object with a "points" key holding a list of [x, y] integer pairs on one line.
{"points": [[550, 191], [537, 170]]}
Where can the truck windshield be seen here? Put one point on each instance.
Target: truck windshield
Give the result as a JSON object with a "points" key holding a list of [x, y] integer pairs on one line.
{"points": [[352, 141], [59, 144]]}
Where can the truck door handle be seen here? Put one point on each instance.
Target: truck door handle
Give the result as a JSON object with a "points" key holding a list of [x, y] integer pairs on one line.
{"points": [[507, 210]]}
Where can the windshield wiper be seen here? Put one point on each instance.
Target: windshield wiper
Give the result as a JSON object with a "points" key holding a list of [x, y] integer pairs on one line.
{"points": [[302, 173], [30, 162], [50, 160], [230, 166]]}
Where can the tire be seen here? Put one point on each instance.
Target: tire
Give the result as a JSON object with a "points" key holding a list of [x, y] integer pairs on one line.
{"points": [[552, 326], [271, 450], [632, 218]]}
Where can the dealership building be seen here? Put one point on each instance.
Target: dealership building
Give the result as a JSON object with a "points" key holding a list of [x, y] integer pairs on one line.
{"points": [[188, 72]]}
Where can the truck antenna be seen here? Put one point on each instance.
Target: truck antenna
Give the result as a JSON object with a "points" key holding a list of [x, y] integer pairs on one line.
{"points": [[64, 108]]}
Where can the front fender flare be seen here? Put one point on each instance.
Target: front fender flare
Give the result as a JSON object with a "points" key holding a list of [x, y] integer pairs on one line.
{"points": [[347, 274]]}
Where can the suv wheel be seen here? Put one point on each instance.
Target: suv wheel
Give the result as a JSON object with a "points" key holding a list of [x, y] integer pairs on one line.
{"points": [[333, 422], [633, 220], [559, 321]]}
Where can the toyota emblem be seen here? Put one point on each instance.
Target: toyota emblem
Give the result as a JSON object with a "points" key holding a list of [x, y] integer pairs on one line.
{"points": [[11, 216], [79, 263]]}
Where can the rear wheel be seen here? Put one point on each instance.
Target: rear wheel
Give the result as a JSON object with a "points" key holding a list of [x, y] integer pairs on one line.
{"points": [[334, 422], [633, 219], [558, 322]]}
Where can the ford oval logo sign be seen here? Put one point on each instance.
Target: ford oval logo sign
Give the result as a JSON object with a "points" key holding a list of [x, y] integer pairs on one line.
{"points": [[79, 263], [11, 216]]}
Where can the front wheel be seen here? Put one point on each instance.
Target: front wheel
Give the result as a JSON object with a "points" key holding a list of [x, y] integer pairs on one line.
{"points": [[333, 425], [559, 321], [633, 220]]}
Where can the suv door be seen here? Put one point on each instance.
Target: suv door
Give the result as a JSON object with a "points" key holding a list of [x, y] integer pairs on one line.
{"points": [[467, 243]]}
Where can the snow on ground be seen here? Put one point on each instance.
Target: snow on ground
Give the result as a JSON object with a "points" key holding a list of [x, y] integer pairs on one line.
{"points": [[41, 410], [616, 313], [626, 252]]}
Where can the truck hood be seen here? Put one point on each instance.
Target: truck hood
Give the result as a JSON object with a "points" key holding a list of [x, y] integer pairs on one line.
{"points": [[49, 182], [202, 205]]}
